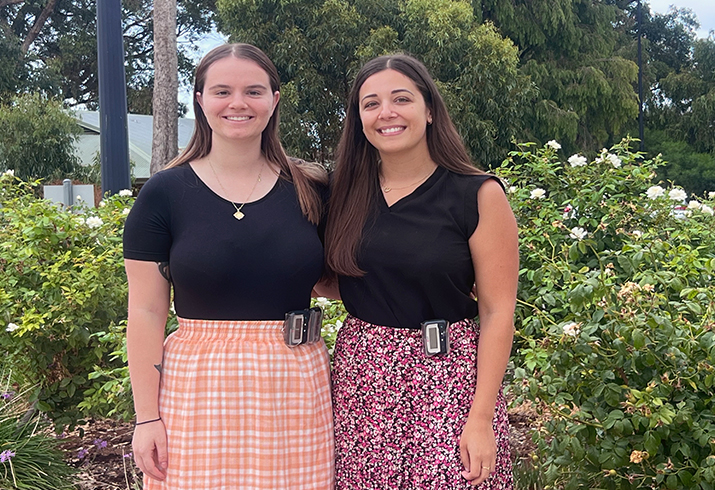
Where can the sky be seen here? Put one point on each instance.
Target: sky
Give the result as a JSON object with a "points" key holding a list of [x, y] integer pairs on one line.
{"points": [[704, 10]]}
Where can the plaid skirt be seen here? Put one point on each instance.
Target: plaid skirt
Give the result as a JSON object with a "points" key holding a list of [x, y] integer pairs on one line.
{"points": [[244, 411], [399, 414]]}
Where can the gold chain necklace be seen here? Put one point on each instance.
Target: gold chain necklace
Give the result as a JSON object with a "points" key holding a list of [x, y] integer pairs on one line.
{"points": [[387, 189], [238, 214]]}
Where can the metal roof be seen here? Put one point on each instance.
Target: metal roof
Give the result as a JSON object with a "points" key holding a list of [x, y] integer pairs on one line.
{"points": [[140, 134]]}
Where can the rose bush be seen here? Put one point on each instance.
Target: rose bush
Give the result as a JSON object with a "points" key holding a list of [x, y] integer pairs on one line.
{"points": [[62, 282], [615, 317]]}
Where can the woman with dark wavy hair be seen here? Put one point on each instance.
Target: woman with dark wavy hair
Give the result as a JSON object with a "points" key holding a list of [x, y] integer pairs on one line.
{"points": [[412, 227], [231, 227]]}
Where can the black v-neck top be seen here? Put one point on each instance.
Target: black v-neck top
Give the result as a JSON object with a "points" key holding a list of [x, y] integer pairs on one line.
{"points": [[221, 268], [416, 255]]}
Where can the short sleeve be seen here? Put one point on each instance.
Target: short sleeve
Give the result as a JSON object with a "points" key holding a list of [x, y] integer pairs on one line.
{"points": [[471, 211], [147, 232]]}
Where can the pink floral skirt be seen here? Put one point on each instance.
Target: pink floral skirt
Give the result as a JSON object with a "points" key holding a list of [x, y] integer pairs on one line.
{"points": [[399, 414]]}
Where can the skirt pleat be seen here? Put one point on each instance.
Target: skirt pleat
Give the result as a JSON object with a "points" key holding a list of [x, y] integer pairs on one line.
{"points": [[399, 414], [244, 411]]}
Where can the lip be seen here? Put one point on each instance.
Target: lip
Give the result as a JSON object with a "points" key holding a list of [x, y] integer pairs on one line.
{"points": [[390, 130]]}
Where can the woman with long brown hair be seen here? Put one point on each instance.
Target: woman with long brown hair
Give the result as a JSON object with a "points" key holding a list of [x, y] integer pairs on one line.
{"points": [[231, 227], [412, 227]]}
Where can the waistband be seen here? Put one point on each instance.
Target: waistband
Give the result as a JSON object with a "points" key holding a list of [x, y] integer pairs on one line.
{"points": [[208, 330]]}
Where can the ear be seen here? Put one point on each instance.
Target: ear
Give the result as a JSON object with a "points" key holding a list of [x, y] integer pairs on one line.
{"points": [[429, 117], [276, 98], [199, 99]]}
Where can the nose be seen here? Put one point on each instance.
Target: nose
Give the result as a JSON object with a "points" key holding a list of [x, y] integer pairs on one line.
{"points": [[237, 101], [386, 111]]}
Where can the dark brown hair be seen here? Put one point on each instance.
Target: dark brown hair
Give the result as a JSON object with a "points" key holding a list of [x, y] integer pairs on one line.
{"points": [[356, 180], [303, 175]]}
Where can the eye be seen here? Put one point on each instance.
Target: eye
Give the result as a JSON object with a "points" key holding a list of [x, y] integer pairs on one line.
{"points": [[402, 100], [221, 93], [369, 104], [255, 93]]}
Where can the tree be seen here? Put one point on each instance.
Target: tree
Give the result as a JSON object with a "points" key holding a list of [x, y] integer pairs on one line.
{"points": [[62, 54], [318, 46], [37, 138], [165, 134], [576, 54]]}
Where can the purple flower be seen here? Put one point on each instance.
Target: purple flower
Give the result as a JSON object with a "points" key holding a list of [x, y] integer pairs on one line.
{"points": [[128, 455], [6, 455], [82, 453], [100, 443], [7, 395]]}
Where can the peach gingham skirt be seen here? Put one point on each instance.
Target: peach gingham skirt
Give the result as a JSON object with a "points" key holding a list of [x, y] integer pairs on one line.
{"points": [[243, 411]]}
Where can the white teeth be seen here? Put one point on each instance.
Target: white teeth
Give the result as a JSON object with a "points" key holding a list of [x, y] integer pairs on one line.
{"points": [[237, 118], [391, 130]]}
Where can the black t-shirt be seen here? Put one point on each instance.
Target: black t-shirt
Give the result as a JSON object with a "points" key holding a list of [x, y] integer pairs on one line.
{"points": [[416, 255], [221, 268]]}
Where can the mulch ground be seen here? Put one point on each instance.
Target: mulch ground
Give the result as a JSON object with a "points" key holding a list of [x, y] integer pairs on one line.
{"points": [[101, 450]]}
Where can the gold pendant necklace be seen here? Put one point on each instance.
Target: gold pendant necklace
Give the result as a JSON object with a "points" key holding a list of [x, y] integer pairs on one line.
{"points": [[238, 214], [387, 189]]}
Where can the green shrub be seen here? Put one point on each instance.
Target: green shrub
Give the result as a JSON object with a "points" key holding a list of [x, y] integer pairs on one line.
{"points": [[29, 456], [62, 282], [37, 138], [615, 317]]}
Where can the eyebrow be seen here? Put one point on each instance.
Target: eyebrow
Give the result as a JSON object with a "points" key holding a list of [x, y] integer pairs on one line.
{"points": [[256, 85], [398, 90]]}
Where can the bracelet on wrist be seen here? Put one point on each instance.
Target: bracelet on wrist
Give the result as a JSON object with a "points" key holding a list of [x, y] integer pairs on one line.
{"points": [[146, 422]]}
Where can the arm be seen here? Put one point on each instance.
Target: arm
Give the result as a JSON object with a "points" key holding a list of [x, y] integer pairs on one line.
{"points": [[149, 295], [327, 288], [495, 256]]}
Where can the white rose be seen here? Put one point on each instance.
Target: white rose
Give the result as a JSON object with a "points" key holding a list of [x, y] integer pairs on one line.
{"points": [[707, 209], [694, 204], [578, 233], [677, 194], [655, 191], [577, 160], [9, 173], [615, 161], [94, 222], [571, 329], [125, 193], [711, 195], [11, 327], [553, 144], [125, 211], [512, 189], [538, 193]]}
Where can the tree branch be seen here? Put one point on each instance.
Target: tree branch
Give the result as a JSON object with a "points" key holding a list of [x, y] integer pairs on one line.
{"points": [[38, 25], [4, 3]]}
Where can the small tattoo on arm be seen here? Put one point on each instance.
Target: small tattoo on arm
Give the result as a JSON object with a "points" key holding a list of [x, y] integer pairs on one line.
{"points": [[164, 270], [158, 367]]}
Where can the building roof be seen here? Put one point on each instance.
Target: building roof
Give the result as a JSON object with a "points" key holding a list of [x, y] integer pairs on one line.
{"points": [[140, 134]]}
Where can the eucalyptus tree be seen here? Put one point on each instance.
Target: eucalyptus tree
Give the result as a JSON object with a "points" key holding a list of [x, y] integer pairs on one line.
{"points": [[318, 46], [55, 49]]}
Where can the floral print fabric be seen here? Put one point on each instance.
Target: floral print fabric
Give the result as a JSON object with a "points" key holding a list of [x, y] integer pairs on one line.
{"points": [[399, 414]]}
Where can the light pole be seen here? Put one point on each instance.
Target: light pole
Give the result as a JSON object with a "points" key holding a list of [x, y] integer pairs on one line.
{"points": [[113, 137]]}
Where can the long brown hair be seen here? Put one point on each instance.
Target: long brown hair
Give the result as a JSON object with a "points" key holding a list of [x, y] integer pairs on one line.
{"points": [[303, 175], [356, 180]]}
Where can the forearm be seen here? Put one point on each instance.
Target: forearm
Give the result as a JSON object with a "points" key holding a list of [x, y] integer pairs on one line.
{"points": [[145, 339], [495, 341]]}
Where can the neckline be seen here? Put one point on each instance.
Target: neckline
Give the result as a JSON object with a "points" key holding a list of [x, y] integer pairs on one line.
{"points": [[419, 190], [223, 199]]}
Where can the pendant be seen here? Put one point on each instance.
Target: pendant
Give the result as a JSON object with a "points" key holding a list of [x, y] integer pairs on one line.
{"points": [[238, 215], [387, 189]]}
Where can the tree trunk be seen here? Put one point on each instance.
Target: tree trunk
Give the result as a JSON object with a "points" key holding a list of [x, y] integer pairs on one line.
{"points": [[166, 86]]}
